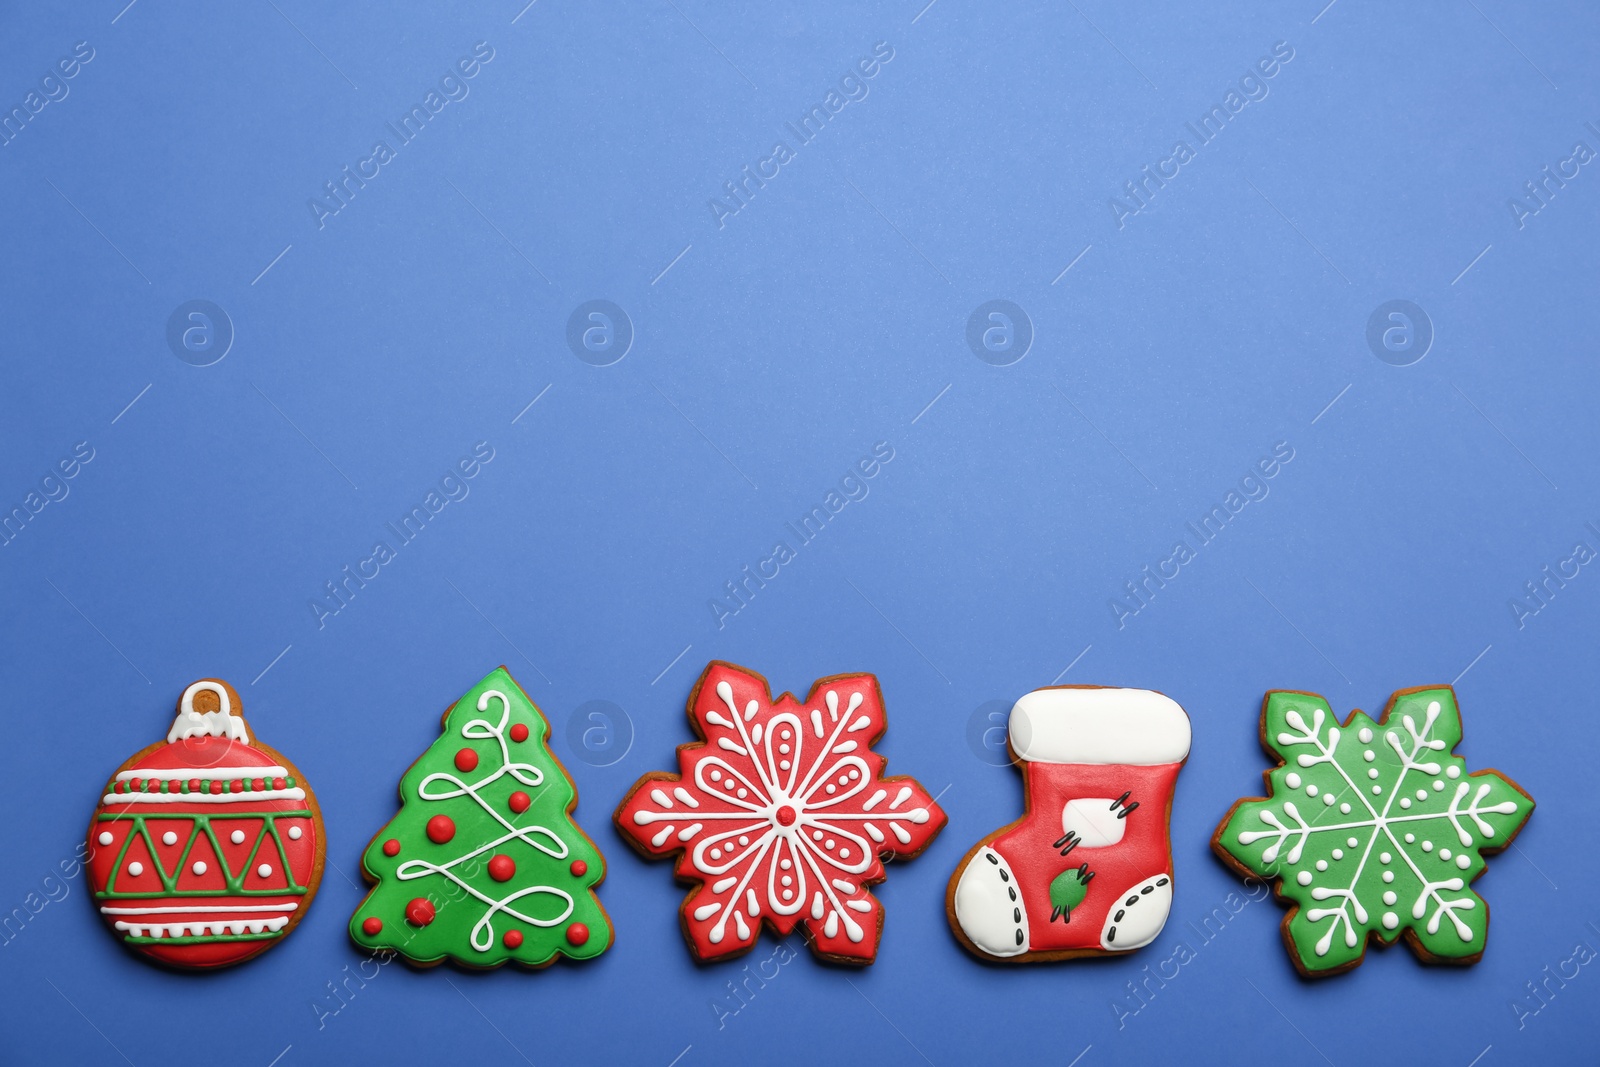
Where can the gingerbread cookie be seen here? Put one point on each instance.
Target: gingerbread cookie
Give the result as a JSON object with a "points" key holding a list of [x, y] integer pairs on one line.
{"points": [[206, 848], [1373, 830], [483, 864], [1087, 870], [780, 814]]}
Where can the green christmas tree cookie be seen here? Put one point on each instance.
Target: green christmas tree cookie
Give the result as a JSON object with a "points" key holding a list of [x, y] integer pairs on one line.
{"points": [[1373, 829], [483, 863]]}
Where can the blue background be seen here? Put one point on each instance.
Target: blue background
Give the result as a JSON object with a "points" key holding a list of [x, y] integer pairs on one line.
{"points": [[769, 354]]}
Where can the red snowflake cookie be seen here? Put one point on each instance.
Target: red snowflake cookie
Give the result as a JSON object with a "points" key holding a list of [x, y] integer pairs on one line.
{"points": [[781, 814]]}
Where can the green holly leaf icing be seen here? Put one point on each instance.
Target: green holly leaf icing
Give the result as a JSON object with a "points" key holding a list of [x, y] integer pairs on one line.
{"points": [[483, 863], [1374, 828]]}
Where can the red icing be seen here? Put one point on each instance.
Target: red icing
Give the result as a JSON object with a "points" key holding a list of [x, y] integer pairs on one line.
{"points": [[502, 868], [579, 868], [466, 760], [518, 802], [218, 760], [519, 732], [577, 933], [419, 912], [441, 828], [513, 939], [391, 847], [788, 815], [372, 926]]}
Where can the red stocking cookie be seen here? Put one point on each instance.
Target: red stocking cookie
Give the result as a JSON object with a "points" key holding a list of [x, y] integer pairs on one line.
{"points": [[1088, 869], [780, 815], [207, 847]]}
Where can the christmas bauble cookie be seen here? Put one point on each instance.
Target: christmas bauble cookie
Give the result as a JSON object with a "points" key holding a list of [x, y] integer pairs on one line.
{"points": [[206, 848]]}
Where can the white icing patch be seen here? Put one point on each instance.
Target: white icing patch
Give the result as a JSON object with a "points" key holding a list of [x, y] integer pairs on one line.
{"points": [[1134, 925], [984, 909], [203, 798], [219, 723], [1094, 821], [1103, 726]]}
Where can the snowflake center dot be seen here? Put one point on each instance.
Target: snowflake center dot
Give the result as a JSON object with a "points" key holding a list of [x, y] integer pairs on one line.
{"points": [[785, 816]]}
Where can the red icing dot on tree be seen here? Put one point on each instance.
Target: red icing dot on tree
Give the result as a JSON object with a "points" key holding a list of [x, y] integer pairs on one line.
{"points": [[372, 926], [466, 760], [579, 868], [519, 732], [391, 847], [513, 939], [419, 912], [518, 802], [441, 828], [502, 868], [578, 933]]}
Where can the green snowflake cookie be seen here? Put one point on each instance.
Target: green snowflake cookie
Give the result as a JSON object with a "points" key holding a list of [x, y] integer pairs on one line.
{"points": [[1373, 829]]}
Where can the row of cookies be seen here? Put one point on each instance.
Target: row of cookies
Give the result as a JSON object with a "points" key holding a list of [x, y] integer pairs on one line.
{"points": [[207, 847]]}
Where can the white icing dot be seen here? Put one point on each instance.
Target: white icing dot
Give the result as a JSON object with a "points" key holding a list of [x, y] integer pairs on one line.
{"points": [[844, 853], [169, 838], [716, 775], [1388, 876], [136, 868], [1338, 854], [1352, 842], [1385, 858], [1369, 755], [785, 864], [1344, 809], [265, 870], [237, 837], [829, 845], [1292, 781], [1410, 838], [1390, 920], [1463, 861], [783, 765], [1452, 772], [816, 835], [784, 749], [1311, 790], [1322, 865], [105, 837], [1304, 877], [832, 788], [1427, 846], [199, 867], [1377, 789], [1405, 802], [844, 779], [787, 893], [744, 839], [294, 833], [716, 853], [854, 774], [1372, 772], [743, 793], [1437, 785], [1327, 798], [1422, 794], [1365, 735], [1389, 898], [1444, 853]]}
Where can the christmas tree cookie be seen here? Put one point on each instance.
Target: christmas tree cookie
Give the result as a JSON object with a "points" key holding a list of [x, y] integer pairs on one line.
{"points": [[1374, 830], [1087, 870], [483, 863], [206, 848], [780, 814]]}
